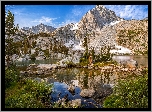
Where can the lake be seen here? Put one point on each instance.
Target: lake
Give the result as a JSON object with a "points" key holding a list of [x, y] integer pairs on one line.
{"points": [[142, 60], [82, 79]]}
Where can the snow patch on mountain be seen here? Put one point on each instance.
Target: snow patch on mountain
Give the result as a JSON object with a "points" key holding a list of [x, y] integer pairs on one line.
{"points": [[115, 22], [75, 27], [78, 47], [120, 49], [69, 44], [74, 46]]}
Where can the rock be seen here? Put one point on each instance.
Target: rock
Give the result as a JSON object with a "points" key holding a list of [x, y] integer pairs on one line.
{"points": [[54, 66], [32, 67], [71, 89], [108, 86], [39, 58], [125, 69], [132, 63], [107, 89], [39, 72], [96, 68], [44, 66], [89, 67], [22, 73], [85, 66], [76, 102], [107, 67], [37, 79], [87, 93], [75, 82]]}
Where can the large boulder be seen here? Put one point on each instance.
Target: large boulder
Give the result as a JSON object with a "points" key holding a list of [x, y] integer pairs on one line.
{"points": [[76, 102], [54, 66], [132, 63], [87, 93]]}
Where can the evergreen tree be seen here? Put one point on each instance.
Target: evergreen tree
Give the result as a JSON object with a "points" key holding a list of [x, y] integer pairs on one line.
{"points": [[85, 44], [10, 31]]}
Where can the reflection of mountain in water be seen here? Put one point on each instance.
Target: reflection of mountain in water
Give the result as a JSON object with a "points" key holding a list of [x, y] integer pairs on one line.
{"points": [[89, 85]]}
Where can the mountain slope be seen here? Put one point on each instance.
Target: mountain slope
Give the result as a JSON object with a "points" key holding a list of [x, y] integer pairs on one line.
{"points": [[133, 34]]}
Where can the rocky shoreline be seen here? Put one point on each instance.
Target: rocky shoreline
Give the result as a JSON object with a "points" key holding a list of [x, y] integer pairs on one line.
{"points": [[44, 69]]}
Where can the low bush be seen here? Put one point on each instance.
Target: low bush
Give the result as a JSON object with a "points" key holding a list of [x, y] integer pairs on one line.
{"points": [[11, 76], [129, 94], [28, 94], [65, 105], [70, 64], [33, 57]]}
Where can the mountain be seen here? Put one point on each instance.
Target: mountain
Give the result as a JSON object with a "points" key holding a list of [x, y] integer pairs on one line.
{"points": [[95, 19], [91, 25], [102, 28], [39, 28]]}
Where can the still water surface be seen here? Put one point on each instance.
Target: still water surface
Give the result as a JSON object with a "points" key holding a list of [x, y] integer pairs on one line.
{"points": [[82, 79], [142, 60]]}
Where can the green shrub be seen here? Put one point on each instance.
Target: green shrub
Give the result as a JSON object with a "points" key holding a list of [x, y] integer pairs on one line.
{"points": [[28, 94], [39, 90], [11, 76], [25, 100], [70, 64], [84, 61], [129, 94], [66, 105], [33, 57], [46, 53]]}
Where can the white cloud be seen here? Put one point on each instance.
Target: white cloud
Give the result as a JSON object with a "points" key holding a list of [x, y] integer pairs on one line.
{"points": [[130, 11], [9, 5], [57, 25], [44, 19]]}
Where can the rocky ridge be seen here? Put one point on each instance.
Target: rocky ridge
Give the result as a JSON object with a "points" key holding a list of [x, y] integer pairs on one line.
{"points": [[37, 29]]}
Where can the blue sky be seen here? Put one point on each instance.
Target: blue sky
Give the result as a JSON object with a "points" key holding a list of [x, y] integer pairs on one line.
{"points": [[60, 15]]}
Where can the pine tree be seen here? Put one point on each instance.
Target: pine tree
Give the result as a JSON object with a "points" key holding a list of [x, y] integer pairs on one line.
{"points": [[10, 31], [85, 44]]}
